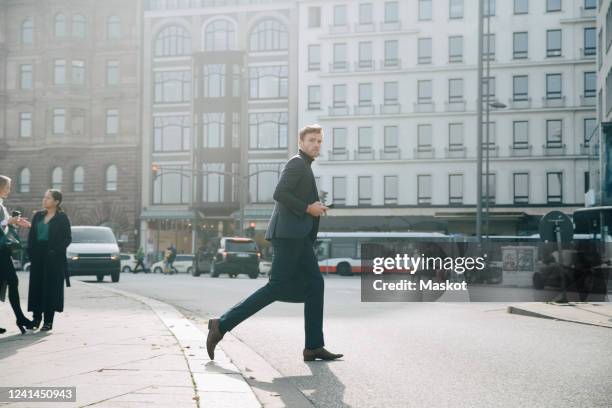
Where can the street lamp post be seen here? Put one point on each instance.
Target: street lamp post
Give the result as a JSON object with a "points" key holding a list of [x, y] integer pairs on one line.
{"points": [[479, 129]]}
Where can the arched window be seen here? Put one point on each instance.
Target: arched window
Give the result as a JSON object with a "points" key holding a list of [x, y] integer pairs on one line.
{"points": [[56, 178], [113, 28], [24, 180], [79, 26], [220, 35], [78, 179], [27, 31], [60, 25], [111, 178], [172, 41], [269, 35]]}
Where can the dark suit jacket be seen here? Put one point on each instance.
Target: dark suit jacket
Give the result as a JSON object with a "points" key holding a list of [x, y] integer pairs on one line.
{"points": [[296, 189]]}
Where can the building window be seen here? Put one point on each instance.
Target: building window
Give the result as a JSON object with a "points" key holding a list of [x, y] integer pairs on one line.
{"points": [[27, 31], [365, 94], [59, 121], [520, 45], [113, 28], [520, 88], [59, 72], [79, 26], [590, 124], [554, 188], [263, 179], [235, 129], [587, 182], [520, 135], [391, 95], [171, 133], [489, 132], [172, 187], [391, 12], [455, 48], [553, 5], [521, 6], [391, 53], [364, 136], [314, 17], [490, 187], [424, 136], [391, 190], [78, 179], [489, 8], [455, 90], [220, 36], [112, 72], [339, 96], [268, 130], [455, 9], [269, 82], [214, 80], [339, 190], [424, 189], [77, 121], [590, 4], [455, 189], [339, 140], [112, 121], [172, 86], [340, 56], [60, 26], [78, 72], [391, 138], [24, 180], [365, 14], [553, 86], [25, 124], [424, 51], [314, 57], [590, 41], [553, 43], [488, 87], [521, 188], [554, 133], [213, 126], [213, 182], [590, 84], [425, 11], [25, 76], [172, 41], [365, 190], [269, 35], [424, 91], [365, 55], [455, 136], [314, 97], [56, 178], [340, 15], [488, 46], [111, 178]]}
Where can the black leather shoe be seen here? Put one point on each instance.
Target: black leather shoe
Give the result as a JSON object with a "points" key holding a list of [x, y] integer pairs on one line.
{"points": [[319, 353], [47, 327], [214, 337], [36, 323], [24, 324], [2, 330]]}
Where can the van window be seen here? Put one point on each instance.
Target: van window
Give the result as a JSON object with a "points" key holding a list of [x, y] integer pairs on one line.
{"points": [[184, 257], [240, 246], [92, 236]]}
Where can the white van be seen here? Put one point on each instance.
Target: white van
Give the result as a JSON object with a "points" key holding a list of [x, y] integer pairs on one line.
{"points": [[94, 252]]}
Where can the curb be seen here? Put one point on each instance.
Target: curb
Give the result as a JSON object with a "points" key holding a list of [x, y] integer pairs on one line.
{"points": [[524, 312], [217, 383]]}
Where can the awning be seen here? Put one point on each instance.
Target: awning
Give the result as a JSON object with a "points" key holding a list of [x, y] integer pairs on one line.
{"points": [[167, 214]]}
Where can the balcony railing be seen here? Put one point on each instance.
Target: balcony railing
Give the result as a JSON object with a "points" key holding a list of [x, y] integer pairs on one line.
{"points": [[588, 53], [455, 106], [338, 110], [390, 109], [364, 28], [424, 107], [339, 66], [364, 109], [392, 26], [364, 154], [424, 153], [588, 100], [589, 150], [339, 29], [556, 150], [455, 152], [388, 64], [493, 150], [338, 154], [519, 103], [364, 65], [588, 13], [553, 102], [390, 153], [520, 151]]}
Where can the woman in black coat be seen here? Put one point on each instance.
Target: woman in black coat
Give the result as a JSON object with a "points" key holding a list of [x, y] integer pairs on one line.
{"points": [[49, 237]]}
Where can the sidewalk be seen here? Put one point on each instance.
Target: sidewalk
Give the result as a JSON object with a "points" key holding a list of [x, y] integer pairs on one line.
{"points": [[594, 314], [119, 350]]}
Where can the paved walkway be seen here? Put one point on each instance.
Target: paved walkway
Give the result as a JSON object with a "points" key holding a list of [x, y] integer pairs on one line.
{"points": [[595, 314]]}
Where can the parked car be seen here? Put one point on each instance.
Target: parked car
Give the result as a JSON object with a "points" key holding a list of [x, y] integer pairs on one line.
{"points": [[182, 264], [94, 252], [236, 255], [128, 262]]}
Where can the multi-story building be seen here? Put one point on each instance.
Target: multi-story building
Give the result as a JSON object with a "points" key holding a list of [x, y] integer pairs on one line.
{"points": [[604, 101], [69, 108], [219, 109], [395, 86]]}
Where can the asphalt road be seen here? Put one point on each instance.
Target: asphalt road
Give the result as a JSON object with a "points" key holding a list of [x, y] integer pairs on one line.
{"points": [[409, 354]]}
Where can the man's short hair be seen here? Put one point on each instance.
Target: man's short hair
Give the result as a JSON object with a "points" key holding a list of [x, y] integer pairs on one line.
{"points": [[310, 129], [4, 180]]}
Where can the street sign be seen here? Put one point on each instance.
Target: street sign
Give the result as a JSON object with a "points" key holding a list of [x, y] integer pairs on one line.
{"points": [[556, 227]]}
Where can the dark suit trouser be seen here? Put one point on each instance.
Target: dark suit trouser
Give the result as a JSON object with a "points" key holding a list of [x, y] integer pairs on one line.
{"points": [[8, 274], [294, 277]]}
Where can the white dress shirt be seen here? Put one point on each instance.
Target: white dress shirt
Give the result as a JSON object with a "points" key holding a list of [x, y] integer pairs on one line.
{"points": [[4, 220]]}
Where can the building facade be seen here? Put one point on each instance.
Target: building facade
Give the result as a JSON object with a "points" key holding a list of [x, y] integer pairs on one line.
{"points": [[395, 84], [220, 106], [69, 109], [604, 101]]}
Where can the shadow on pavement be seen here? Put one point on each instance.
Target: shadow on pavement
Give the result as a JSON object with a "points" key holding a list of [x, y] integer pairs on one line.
{"points": [[9, 345]]}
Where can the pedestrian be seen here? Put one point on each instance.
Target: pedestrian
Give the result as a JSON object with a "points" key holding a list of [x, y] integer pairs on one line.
{"points": [[49, 237], [9, 240], [139, 260], [295, 274]]}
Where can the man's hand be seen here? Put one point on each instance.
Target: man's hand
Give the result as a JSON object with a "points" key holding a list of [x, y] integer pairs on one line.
{"points": [[22, 222], [316, 209]]}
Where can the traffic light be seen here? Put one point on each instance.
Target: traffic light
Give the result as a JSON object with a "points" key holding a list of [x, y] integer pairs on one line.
{"points": [[154, 170]]}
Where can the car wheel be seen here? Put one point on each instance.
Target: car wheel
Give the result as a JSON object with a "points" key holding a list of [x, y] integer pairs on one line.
{"points": [[194, 272], [126, 269], [254, 275], [115, 276], [344, 269], [100, 278], [157, 270], [233, 275]]}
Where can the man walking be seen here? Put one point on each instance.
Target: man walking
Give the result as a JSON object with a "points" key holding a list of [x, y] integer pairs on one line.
{"points": [[295, 275]]}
